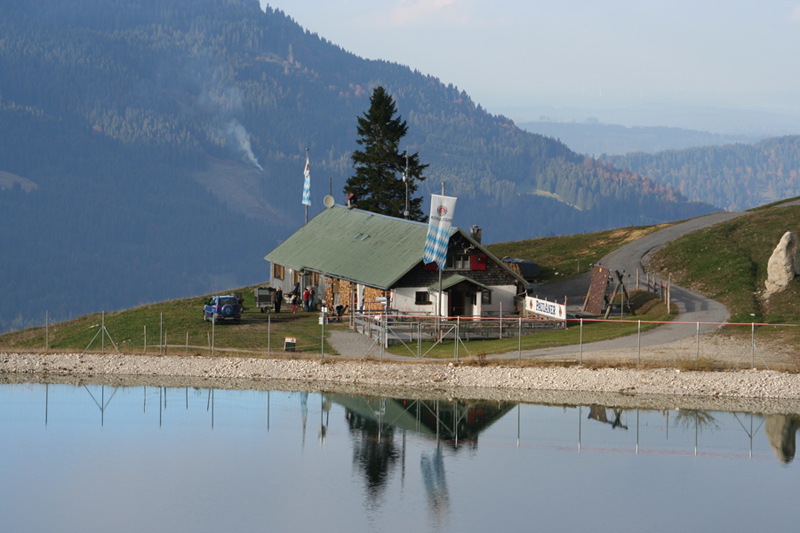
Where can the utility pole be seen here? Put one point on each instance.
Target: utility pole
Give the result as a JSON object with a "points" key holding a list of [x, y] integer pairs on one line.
{"points": [[405, 180]]}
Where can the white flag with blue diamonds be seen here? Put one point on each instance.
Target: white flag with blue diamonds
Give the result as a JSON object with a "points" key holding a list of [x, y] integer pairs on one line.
{"points": [[307, 184], [439, 223]]}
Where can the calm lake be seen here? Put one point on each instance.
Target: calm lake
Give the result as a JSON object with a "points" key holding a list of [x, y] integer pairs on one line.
{"points": [[99, 458]]}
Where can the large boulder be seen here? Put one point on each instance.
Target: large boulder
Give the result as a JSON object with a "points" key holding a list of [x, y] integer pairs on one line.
{"points": [[784, 263]]}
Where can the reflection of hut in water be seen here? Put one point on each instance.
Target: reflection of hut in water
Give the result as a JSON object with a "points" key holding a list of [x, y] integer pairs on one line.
{"points": [[373, 423], [456, 422], [781, 433], [452, 421]]}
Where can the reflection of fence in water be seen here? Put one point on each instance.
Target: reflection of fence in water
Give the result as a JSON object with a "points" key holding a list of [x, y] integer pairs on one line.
{"points": [[472, 423], [151, 406], [639, 431]]}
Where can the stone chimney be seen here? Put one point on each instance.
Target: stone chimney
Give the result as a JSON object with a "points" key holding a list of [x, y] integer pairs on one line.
{"points": [[475, 233]]}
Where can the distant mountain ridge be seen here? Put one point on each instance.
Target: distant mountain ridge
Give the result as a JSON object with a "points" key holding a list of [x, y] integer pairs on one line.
{"points": [[597, 139], [734, 177], [167, 139]]}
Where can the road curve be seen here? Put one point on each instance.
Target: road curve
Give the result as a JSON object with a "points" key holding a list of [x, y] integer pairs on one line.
{"points": [[692, 307]]}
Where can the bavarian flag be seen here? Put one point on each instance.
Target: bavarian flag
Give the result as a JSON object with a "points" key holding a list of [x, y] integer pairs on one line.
{"points": [[307, 183], [439, 223]]}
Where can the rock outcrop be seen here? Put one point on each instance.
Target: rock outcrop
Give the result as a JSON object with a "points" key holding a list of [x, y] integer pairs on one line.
{"points": [[784, 263]]}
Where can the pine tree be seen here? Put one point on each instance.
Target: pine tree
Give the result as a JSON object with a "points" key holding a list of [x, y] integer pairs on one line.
{"points": [[377, 185]]}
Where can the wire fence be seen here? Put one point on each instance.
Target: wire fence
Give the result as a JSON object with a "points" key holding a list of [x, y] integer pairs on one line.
{"points": [[389, 336]]}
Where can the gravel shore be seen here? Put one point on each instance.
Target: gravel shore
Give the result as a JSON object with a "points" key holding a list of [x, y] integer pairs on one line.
{"points": [[753, 388]]}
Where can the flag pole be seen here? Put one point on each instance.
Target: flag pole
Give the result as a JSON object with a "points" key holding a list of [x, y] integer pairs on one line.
{"points": [[306, 173], [440, 278], [405, 180]]}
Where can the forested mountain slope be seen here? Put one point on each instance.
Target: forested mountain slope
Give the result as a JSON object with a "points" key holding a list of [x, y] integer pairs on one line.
{"points": [[154, 149], [733, 177]]}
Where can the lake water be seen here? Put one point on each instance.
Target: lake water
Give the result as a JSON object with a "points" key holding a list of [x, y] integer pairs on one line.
{"points": [[99, 458]]}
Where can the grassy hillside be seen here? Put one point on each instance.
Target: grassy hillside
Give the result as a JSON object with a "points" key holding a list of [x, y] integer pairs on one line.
{"points": [[261, 335], [184, 330], [728, 262], [559, 258]]}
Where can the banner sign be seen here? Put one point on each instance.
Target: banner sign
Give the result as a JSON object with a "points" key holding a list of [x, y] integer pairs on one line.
{"points": [[545, 308], [439, 223]]}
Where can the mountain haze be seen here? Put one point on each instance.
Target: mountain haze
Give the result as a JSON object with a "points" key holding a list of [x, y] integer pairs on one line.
{"points": [[597, 139], [734, 176], [154, 149]]}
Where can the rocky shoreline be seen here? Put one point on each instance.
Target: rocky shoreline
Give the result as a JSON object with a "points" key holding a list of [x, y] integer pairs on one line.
{"points": [[761, 390]]}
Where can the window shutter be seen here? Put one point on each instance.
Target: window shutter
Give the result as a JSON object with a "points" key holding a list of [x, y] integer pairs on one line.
{"points": [[477, 262]]}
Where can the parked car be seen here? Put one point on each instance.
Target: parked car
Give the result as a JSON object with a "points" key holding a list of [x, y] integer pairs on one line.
{"points": [[222, 308]]}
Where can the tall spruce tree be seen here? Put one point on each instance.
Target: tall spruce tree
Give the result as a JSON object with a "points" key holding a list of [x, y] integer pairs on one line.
{"points": [[377, 185]]}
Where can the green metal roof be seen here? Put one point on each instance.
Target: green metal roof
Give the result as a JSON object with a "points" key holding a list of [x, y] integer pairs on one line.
{"points": [[355, 245], [454, 280]]}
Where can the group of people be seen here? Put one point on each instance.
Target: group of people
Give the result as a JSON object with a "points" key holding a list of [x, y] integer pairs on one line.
{"points": [[295, 297]]}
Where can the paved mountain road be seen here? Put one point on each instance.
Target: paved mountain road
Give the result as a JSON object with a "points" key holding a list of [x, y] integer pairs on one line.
{"points": [[692, 307]]}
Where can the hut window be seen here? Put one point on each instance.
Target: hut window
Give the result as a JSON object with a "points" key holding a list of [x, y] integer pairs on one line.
{"points": [[422, 298], [458, 262]]}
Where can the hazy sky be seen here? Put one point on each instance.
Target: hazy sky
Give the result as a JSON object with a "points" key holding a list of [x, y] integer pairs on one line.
{"points": [[578, 52]]}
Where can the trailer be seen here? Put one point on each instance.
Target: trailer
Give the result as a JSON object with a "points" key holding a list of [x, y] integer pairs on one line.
{"points": [[265, 298]]}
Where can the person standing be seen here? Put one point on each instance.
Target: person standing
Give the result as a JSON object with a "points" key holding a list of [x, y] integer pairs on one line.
{"points": [[306, 300], [278, 299], [295, 297]]}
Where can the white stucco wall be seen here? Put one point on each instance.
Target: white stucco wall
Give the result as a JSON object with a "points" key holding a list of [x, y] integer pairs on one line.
{"points": [[501, 294], [403, 301]]}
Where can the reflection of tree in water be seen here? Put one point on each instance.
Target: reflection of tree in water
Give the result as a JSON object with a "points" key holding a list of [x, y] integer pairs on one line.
{"points": [[374, 452], [781, 433], [696, 418]]}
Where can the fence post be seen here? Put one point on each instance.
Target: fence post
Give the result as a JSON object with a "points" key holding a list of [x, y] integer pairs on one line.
{"points": [[580, 343], [419, 339], [669, 292], [322, 319], [145, 340], [381, 335], [213, 324], [639, 345], [501, 320], [519, 347], [753, 346], [103, 335], [458, 324], [269, 333], [698, 342], [161, 336]]}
